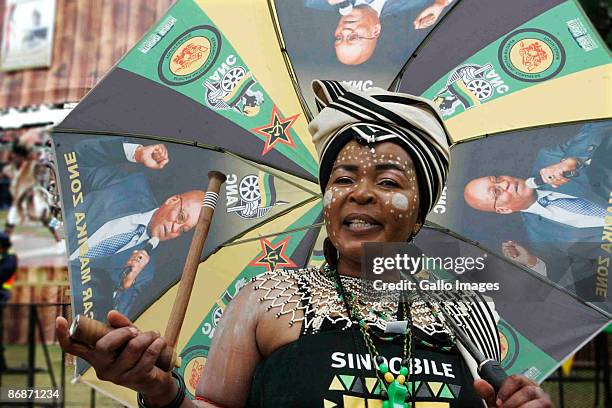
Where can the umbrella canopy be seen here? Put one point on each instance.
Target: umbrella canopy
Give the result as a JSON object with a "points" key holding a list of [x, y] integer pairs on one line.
{"points": [[208, 88], [530, 64], [537, 80], [363, 44]]}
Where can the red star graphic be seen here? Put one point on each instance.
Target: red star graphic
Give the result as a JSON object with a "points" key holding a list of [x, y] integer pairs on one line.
{"points": [[277, 130], [273, 256]]}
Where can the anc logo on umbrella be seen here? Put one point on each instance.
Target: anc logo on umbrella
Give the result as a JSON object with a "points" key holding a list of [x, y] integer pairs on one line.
{"points": [[233, 86], [531, 55], [192, 370], [190, 56], [509, 344], [469, 85], [253, 197], [273, 256], [277, 131]]}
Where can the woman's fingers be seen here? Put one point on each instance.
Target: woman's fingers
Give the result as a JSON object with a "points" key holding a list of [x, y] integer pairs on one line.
{"points": [[147, 361], [486, 392], [112, 341], [519, 391], [116, 319], [69, 346], [528, 395], [539, 403], [511, 385], [124, 356], [134, 351]]}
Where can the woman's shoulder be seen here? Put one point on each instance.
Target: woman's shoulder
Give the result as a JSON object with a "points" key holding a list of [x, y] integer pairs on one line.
{"points": [[281, 306]]}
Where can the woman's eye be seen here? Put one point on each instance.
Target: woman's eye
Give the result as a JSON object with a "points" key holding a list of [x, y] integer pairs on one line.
{"points": [[389, 183], [344, 180]]}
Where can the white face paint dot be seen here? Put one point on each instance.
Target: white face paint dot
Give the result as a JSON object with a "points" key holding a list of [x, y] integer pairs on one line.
{"points": [[327, 198], [399, 201]]}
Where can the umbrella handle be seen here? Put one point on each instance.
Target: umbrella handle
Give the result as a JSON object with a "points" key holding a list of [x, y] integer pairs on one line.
{"points": [[215, 179], [89, 331], [492, 372]]}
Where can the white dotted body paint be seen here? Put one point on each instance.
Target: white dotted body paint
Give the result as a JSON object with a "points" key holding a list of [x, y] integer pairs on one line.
{"points": [[327, 198], [399, 201]]}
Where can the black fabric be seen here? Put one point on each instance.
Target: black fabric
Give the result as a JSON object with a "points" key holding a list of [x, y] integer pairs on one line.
{"points": [[324, 366], [8, 266], [333, 365]]}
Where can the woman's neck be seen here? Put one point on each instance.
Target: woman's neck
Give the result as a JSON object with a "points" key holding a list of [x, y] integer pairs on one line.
{"points": [[349, 267]]}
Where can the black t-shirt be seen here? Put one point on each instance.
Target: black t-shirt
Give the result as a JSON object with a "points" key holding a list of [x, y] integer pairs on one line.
{"points": [[333, 369]]}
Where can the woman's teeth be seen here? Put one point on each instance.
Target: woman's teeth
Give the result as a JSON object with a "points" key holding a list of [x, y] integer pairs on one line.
{"points": [[359, 224]]}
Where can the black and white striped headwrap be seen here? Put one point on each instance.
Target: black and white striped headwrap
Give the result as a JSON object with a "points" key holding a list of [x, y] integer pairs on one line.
{"points": [[375, 116]]}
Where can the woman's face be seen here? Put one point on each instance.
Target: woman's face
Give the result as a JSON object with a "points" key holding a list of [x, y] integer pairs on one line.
{"points": [[370, 197]]}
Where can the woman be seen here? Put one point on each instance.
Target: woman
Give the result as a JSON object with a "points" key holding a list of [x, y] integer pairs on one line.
{"points": [[316, 337]]}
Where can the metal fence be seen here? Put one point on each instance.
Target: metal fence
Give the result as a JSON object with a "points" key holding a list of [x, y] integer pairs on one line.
{"points": [[36, 362]]}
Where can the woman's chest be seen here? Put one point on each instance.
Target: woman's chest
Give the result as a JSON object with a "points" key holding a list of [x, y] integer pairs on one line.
{"points": [[336, 367]]}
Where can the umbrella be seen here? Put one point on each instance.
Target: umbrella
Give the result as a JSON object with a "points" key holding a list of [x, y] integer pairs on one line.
{"points": [[208, 88]]}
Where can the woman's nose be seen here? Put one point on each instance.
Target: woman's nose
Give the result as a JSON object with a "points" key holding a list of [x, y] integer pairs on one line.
{"points": [[363, 193]]}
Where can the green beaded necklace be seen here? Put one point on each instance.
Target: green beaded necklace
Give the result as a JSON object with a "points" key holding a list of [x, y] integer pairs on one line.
{"points": [[394, 392]]}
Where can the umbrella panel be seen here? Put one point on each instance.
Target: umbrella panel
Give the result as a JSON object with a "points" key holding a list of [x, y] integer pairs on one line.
{"points": [[532, 323], [472, 26], [570, 246], [186, 81], [551, 68], [364, 47], [104, 193]]}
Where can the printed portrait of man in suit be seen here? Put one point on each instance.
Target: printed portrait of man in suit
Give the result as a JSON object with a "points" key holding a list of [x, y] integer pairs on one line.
{"points": [[124, 220], [361, 22], [563, 204]]}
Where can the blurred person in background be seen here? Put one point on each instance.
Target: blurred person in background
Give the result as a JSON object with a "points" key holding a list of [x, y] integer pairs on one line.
{"points": [[8, 267], [30, 199]]}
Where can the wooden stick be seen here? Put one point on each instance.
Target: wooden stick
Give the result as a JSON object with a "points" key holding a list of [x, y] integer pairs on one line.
{"points": [[89, 331], [215, 179]]}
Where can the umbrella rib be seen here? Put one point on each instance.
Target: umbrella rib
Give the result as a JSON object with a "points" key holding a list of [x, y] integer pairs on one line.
{"points": [[183, 142], [460, 237], [137, 135], [285, 54], [274, 172], [395, 84], [317, 225], [523, 129]]}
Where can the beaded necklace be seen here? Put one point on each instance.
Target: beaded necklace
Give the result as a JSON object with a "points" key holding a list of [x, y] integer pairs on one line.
{"points": [[394, 392]]}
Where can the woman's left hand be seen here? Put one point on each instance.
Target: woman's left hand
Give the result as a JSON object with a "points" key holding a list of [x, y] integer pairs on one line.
{"points": [[516, 392]]}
